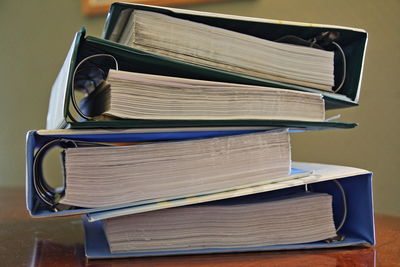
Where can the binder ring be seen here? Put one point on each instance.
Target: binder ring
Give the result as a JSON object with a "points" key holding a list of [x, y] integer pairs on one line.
{"points": [[344, 205], [344, 63], [73, 98], [344, 202], [48, 194]]}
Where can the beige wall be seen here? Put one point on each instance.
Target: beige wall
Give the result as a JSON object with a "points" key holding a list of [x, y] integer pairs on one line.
{"points": [[35, 38]]}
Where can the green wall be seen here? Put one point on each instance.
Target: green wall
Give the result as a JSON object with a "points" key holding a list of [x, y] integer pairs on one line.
{"points": [[35, 37]]}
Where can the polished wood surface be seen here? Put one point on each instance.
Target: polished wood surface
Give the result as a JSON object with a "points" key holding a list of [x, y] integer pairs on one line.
{"points": [[59, 242]]}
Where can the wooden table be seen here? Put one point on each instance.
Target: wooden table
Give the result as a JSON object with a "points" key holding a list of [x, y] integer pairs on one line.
{"points": [[59, 242]]}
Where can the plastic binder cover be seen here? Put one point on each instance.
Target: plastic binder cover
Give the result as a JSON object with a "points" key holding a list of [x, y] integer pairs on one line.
{"points": [[129, 59], [358, 229]]}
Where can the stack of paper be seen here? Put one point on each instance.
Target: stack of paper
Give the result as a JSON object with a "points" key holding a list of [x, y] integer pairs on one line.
{"points": [[245, 222], [116, 175], [228, 50], [144, 96]]}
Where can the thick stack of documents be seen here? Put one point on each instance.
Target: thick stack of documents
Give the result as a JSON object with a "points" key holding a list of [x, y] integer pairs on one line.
{"points": [[133, 95], [164, 169], [173, 131], [237, 223], [225, 49]]}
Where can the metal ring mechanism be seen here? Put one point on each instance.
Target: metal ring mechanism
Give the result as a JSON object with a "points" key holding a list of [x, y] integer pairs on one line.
{"points": [[324, 41], [73, 83], [46, 193], [338, 237], [49, 195]]}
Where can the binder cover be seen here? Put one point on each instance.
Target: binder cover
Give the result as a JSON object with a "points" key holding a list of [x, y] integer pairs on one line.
{"points": [[353, 41], [358, 229], [129, 59], [37, 207]]}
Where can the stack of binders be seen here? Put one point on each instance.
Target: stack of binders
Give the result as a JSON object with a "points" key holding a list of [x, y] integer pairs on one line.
{"points": [[173, 130]]}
